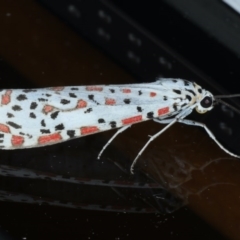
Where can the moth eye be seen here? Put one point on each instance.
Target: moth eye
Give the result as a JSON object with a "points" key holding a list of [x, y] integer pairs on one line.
{"points": [[206, 102]]}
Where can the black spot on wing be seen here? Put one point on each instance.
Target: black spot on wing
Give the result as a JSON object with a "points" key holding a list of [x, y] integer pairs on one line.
{"points": [[165, 98], [186, 83], [139, 109], [29, 90], [113, 124], [101, 120], [33, 105], [91, 97], [48, 95], [175, 107], [59, 127], [45, 131], [150, 115], [21, 97], [200, 90], [88, 110], [42, 100], [16, 108], [32, 115], [191, 91], [71, 133], [177, 91], [43, 124], [10, 115], [112, 90], [189, 98], [184, 104], [1, 135], [174, 80], [54, 115], [72, 95], [65, 101], [127, 101], [73, 88], [14, 125], [139, 92]]}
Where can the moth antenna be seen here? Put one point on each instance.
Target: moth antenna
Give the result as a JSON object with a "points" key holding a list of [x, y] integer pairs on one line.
{"points": [[228, 105], [227, 96]]}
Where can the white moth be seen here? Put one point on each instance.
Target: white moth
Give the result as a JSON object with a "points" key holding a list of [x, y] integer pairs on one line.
{"points": [[38, 117]]}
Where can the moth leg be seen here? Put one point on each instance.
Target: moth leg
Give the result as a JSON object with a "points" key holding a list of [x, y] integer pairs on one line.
{"points": [[150, 140], [163, 121], [199, 124], [112, 138]]}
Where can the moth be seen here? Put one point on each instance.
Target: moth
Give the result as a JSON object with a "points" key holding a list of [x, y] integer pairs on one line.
{"points": [[39, 117]]}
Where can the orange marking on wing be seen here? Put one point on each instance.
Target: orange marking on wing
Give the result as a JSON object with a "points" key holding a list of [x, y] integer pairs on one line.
{"points": [[81, 104], [4, 128], [132, 119], [88, 130], [59, 88], [94, 88], [163, 111], [126, 90], [152, 94], [6, 98], [48, 108], [17, 140], [110, 101], [51, 138]]}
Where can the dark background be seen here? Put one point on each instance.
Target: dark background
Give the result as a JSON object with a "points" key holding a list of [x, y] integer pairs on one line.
{"points": [[52, 43]]}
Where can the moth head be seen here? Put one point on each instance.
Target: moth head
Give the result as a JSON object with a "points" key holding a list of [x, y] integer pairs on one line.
{"points": [[205, 102]]}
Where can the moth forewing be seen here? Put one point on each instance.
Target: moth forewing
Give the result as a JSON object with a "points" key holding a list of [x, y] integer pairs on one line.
{"points": [[38, 117]]}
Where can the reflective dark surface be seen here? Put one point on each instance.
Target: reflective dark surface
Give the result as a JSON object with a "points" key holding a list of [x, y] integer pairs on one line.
{"points": [[184, 186]]}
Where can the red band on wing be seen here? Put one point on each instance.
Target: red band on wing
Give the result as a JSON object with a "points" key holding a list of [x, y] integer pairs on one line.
{"points": [[110, 101], [132, 119], [47, 109], [88, 130], [94, 88], [81, 104], [57, 88], [17, 140], [51, 138], [4, 128], [126, 90], [163, 111], [6, 98]]}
